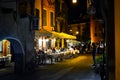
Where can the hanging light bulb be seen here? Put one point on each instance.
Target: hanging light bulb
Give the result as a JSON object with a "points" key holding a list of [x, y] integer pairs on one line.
{"points": [[74, 1]]}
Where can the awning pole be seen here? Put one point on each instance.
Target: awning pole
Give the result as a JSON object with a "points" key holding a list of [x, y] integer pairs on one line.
{"points": [[62, 42]]}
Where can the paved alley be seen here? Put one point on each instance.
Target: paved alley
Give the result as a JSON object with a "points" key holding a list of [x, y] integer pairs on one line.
{"points": [[79, 68]]}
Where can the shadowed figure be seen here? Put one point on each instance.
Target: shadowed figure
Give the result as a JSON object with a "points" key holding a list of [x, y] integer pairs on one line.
{"points": [[94, 53]]}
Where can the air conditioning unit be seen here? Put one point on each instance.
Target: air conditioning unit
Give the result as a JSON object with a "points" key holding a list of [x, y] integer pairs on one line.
{"points": [[35, 23]]}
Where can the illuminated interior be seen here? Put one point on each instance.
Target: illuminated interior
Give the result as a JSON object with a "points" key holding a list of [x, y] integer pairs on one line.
{"points": [[5, 51]]}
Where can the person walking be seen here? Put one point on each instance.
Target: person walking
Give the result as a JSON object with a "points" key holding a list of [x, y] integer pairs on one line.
{"points": [[94, 53], [42, 59]]}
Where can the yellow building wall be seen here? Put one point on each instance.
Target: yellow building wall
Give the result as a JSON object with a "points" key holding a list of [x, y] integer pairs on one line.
{"points": [[117, 38], [49, 8], [92, 30], [98, 25]]}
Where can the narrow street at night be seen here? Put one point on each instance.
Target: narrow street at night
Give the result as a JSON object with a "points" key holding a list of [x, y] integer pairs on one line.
{"points": [[59, 40], [78, 68]]}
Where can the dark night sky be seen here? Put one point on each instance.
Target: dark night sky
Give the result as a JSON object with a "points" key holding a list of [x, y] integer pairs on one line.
{"points": [[76, 11]]}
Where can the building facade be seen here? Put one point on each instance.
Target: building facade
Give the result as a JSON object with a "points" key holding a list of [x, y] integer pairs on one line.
{"points": [[46, 13], [97, 30], [80, 30], [17, 33]]}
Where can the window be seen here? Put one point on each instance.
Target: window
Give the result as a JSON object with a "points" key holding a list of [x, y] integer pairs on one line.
{"points": [[51, 19], [35, 23], [37, 12], [44, 17]]}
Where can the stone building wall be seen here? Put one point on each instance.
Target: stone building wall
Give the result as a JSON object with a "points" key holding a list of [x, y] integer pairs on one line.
{"points": [[17, 29]]}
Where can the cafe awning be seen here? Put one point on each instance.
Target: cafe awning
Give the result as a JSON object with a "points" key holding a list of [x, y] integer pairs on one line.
{"points": [[56, 34], [63, 35], [67, 36], [43, 32]]}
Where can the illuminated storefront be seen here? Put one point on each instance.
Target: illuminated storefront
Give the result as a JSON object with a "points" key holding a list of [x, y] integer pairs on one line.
{"points": [[5, 51]]}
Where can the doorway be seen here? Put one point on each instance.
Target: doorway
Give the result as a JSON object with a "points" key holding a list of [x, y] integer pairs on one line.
{"points": [[11, 56]]}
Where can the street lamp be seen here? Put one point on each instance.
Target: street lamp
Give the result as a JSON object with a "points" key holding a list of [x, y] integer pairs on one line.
{"points": [[74, 1]]}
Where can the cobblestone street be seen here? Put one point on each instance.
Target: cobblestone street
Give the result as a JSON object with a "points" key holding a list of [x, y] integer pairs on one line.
{"points": [[79, 68]]}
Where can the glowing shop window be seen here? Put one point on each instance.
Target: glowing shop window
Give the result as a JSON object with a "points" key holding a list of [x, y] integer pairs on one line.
{"points": [[40, 42]]}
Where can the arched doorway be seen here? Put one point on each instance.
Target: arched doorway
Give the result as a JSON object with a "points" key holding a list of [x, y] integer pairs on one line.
{"points": [[12, 54]]}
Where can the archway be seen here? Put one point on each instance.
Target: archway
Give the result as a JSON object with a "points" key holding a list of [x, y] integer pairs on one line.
{"points": [[15, 49]]}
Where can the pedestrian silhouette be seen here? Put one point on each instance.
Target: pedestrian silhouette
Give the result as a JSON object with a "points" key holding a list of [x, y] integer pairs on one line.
{"points": [[94, 53]]}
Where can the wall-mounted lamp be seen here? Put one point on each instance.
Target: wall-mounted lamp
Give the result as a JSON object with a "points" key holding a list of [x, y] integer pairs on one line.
{"points": [[77, 32]]}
